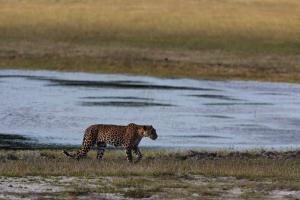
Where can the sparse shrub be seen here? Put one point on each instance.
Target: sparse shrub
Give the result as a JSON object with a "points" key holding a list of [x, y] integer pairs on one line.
{"points": [[11, 157], [137, 193]]}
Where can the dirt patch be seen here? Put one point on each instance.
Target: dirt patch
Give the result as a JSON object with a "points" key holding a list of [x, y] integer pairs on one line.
{"points": [[133, 187]]}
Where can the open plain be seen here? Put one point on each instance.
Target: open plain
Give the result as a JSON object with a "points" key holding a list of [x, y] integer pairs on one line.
{"points": [[230, 39]]}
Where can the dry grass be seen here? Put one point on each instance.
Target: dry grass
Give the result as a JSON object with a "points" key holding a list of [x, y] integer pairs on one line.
{"points": [[156, 163], [200, 39]]}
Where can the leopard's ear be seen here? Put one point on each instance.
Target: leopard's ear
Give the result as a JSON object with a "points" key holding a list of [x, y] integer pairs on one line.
{"points": [[145, 127]]}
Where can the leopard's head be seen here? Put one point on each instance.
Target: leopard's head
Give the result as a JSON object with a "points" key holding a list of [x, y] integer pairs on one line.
{"points": [[149, 131]]}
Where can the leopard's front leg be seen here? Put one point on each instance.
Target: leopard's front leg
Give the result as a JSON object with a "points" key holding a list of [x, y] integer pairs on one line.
{"points": [[128, 151], [137, 152]]}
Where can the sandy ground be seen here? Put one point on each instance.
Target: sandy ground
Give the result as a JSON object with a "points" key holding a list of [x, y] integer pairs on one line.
{"points": [[193, 187]]}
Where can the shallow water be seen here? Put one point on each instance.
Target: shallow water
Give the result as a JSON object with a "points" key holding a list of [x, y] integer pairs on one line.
{"points": [[55, 107]]}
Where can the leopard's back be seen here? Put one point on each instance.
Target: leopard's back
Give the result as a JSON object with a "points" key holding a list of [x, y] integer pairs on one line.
{"points": [[112, 134]]}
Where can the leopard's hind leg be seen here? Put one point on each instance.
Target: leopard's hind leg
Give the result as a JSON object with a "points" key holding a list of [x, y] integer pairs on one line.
{"points": [[89, 140], [100, 149]]}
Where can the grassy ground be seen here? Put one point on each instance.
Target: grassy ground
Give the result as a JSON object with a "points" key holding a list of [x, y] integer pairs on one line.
{"points": [[156, 163], [256, 39], [161, 174]]}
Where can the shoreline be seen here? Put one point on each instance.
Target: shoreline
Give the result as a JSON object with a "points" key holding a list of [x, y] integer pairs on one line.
{"points": [[23, 142], [239, 68]]}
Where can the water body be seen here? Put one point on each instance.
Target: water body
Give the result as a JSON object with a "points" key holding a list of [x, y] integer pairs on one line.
{"points": [[55, 108]]}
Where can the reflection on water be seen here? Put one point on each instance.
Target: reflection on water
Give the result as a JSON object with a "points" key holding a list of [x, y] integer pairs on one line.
{"points": [[17, 142], [198, 136], [122, 103], [123, 98], [13, 141], [218, 116], [235, 104], [120, 84], [214, 96], [55, 107]]}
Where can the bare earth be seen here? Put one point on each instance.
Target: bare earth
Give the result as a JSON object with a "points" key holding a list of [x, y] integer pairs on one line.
{"points": [[191, 187]]}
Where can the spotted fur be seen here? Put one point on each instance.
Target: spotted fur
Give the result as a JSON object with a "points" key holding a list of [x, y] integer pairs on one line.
{"points": [[127, 137]]}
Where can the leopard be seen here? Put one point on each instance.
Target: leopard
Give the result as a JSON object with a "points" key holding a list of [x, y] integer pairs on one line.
{"points": [[128, 137]]}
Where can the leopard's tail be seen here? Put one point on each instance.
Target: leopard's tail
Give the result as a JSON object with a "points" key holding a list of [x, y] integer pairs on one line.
{"points": [[68, 154], [79, 154], [86, 144]]}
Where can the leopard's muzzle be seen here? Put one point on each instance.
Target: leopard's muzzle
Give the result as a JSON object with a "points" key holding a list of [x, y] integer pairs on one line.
{"points": [[153, 135]]}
